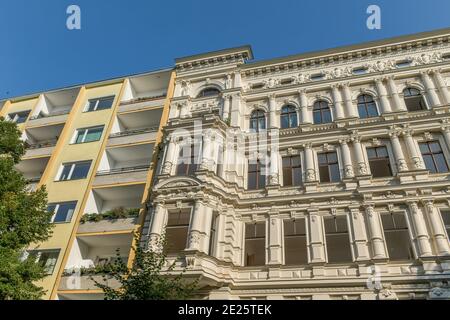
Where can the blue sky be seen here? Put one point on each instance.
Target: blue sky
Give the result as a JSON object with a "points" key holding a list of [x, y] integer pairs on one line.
{"points": [[122, 37]]}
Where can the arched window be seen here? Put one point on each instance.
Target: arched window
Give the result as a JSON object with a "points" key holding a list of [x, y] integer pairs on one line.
{"points": [[367, 107], [208, 92], [258, 120], [321, 112], [414, 100], [288, 117]]}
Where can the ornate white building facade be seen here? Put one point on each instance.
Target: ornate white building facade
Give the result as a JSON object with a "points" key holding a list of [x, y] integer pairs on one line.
{"points": [[318, 176]]}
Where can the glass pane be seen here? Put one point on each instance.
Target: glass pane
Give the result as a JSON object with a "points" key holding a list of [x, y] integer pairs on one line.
{"points": [[341, 223], [382, 152], [440, 163], [326, 116], [334, 172], [287, 177], [105, 103], [324, 174], [362, 111], [255, 252], [295, 249], [261, 181], [398, 244], [65, 212], [294, 122], [80, 136], [424, 147], [446, 217], [322, 157], [372, 110], [400, 221], [387, 221], [65, 172], [297, 176], [176, 238], [94, 134], [332, 157], [435, 147], [317, 117], [284, 122], [92, 104], [371, 153], [81, 170], [429, 163], [252, 181]]}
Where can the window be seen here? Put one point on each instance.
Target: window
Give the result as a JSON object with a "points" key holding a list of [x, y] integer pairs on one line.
{"points": [[403, 64], [19, 117], [256, 176], [292, 171], [208, 92], [329, 167], [379, 162], [74, 171], [317, 77], [359, 71], [255, 244], [100, 104], [446, 219], [338, 241], [258, 121], [288, 117], [63, 212], [213, 234], [321, 112], [188, 160], [46, 258], [177, 231], [433, 157], [295, 247], [397, 236], [367, 107], [414, 100], [88, 135]]}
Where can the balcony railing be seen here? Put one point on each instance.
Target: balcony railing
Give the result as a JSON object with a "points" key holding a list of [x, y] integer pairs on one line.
{"points": [[34, 180], [44, 144], [123, 170], [139, 100], [134, 132], [53, 114]]}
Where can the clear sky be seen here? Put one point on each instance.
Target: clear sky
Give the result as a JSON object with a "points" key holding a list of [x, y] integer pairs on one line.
{"points": [[122, 37]]}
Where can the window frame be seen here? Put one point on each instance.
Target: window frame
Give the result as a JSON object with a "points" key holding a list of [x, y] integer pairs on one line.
{"points": [[201, 94], [408, 233], [16, 116], [185, 226], [432, 155], [347, 234], [258, 115], [39, 255], [366, 105], [57, 206], [422, 102], [192, 166], [319, 166], [72, 169], [97, 102], [289, 111], [259, 176], [86, 132], [257, 238], [388, 158], [291, 170], [293, 236], [320, 110]]}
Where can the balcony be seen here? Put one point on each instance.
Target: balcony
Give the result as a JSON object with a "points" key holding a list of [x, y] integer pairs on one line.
{"points": [[54, 107], [32, 169], [142, 103], [118, 219], [42, 136], [84, 283], [40, 149], [133, 136], [32, 184], [122, 175]]}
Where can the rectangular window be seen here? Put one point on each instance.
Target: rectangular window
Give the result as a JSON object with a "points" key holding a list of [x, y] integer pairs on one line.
{"points": [[188, 160], [329, 167], [295, 247], [177, 231], [380, 165], [255, 244], [256, 176], [433, 156], [88, 134], [338, 241], [446, 219], [75, 171], [213, 235], [19, 117], [63, 211], [46, 258], [397, 236], [100, 103], [292, 171]]}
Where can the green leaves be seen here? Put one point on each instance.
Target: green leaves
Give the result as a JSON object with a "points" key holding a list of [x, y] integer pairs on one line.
{"points": [[150, 278], [23, 220]]}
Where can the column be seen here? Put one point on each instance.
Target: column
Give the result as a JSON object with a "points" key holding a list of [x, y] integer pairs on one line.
{"points": [[337, 99], [306, 117], [351, 108], [316, 237], [438, 232], [383, 95], [359, 156], [206, 151], [445, 129], [226, 107], [359, 236], [184, 110], [416, 156], [173, 113], [170, 156], [419, 231], [399, 103], [430, 89], [347, 159], [159, 220], [443, 88], [236, 116], [310, 170], [200, 227], [237, 79], [274, 178], [275, 237], [398, 152], [272, 111], [375, 233]]}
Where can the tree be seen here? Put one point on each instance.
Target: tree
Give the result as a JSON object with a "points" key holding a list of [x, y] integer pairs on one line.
{"points": [[149, 278], [23, 220]]}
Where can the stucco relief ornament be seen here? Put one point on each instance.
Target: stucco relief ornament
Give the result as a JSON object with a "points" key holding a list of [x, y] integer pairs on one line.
{"points": [[349, 171], [362, 168], [386, 294], [310, 175], [428, 58], [185, 88], [271, 83], [154, 243], [402, 166], [302, 78], [273, 179], [229, 82], [194, 240], [418, 163]]}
